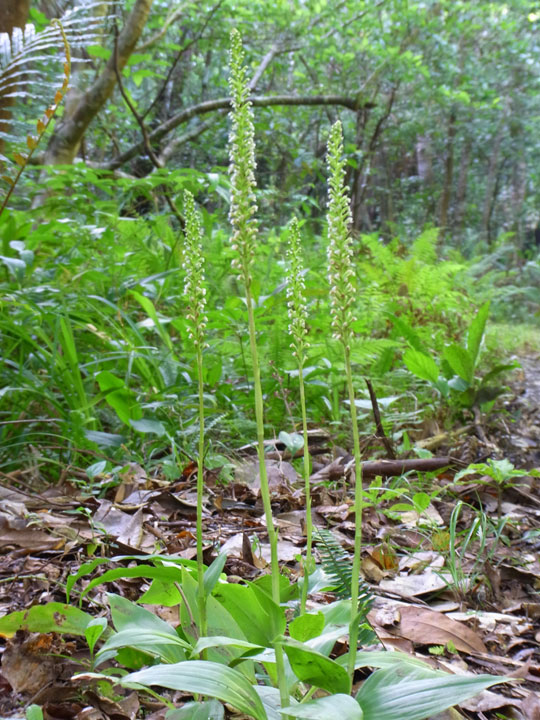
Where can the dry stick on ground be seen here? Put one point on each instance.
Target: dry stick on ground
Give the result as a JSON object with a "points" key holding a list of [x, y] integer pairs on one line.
{"points": [[378, 424]]}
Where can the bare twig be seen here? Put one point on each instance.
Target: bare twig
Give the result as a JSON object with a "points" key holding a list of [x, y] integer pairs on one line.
{"points": [[378, 423]]}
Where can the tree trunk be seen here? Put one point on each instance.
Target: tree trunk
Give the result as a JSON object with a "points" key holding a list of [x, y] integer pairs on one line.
{"points": [[448, 173], [13, 13], [491, 182], [66, 139], [461, 192]]}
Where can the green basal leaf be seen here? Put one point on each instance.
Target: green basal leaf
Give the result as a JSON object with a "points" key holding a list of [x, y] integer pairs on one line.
{"points": [[204, 677], [243, 605], [53, 617], [212, 573], [306, 626], [223, 640], [208, 710], [34, 712], [171, 574], [94, 631], [333, 706], [150, 641], [415, 693], [314, 668]]}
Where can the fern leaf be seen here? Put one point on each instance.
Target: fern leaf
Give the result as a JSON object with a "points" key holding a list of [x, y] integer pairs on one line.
{"points": [[338, 566]]}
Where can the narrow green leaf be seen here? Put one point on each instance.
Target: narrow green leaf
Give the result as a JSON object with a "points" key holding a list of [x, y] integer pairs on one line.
{"points": [[332, 706], [212, 573], [476, 332], [416, 694], [206, 678]]}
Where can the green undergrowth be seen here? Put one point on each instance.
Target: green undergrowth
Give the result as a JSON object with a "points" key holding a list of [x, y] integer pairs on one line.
{"points": [[96, 353]]}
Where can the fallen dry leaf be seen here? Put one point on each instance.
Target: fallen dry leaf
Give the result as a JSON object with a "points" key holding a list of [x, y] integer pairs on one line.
{"points": [[428, 627]]}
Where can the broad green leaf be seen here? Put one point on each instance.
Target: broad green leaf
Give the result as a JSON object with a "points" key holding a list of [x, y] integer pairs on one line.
{"points": [[161, 593], [476, 332], [172, 574], [153, 427], [204, 677], [460, 361], [306, 626], [52, 617], [241, 602], [338, 705], [314, 668], [287, 590], [222, 640], [94, 630], [208, 710], [292, 441], [421, 365], [416, 694], [34, 712], [220, 623], [150, 641]]}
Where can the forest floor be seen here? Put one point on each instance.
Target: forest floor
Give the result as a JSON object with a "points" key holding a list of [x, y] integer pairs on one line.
{"points": [[471, 611]]}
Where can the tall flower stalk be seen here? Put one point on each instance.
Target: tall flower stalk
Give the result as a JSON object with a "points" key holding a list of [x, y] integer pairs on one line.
{"points": [[195, 294], [342, 295], [242, 217], [297, 329]]}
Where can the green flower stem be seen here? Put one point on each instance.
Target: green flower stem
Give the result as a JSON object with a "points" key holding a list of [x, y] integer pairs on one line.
{"points": [[242, 212], [358, 507], [342, 296], [201, 594], [195, 293], [265, 491], [307, 490]]}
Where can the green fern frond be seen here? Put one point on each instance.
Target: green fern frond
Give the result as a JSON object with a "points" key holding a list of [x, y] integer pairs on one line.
{"points": [[32, 141], [337, 564]]}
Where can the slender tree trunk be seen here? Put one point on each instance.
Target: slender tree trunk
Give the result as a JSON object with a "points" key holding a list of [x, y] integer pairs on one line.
{"points": [[491, 180], [68, 134], [13, 13], [448, 173], [461, 192]]}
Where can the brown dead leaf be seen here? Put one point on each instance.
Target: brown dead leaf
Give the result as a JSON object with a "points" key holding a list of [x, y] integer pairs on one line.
{"points": [[428, 627], [27, 662]]}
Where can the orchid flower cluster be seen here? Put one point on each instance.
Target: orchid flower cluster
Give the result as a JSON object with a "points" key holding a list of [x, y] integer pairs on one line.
{"points": [[340, 255], [243, 204], [194, 284], [296, 302]]}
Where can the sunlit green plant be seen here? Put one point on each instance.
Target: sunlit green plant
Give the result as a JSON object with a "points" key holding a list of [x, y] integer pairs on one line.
{"points": [[342, 294], [480, 541], [498, 473], [242, 216], [195, 294]]}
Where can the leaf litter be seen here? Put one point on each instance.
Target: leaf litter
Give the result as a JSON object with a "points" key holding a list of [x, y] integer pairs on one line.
{"points": [[466, 608]]}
